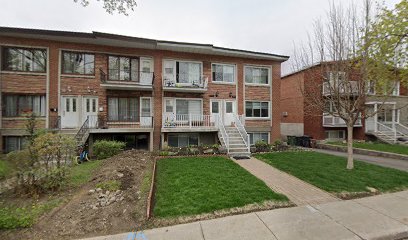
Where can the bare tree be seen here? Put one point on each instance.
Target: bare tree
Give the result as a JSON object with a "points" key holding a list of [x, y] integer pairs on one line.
{"points": [[334, 62], [111, 6]]}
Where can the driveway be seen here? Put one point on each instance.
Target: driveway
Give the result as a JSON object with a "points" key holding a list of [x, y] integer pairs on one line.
{"points": [[385, 162]]}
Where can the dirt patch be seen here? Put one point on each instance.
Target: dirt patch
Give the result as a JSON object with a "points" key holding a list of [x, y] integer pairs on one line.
{"points": [[93, 211]]}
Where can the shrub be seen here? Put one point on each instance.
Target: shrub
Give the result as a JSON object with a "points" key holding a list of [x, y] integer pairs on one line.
{"points": [[262, 146], [103, 148], [111, 185]]}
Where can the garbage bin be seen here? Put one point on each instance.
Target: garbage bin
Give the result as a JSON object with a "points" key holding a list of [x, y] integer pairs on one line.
{"points": [[291, 140], [305, 141]]}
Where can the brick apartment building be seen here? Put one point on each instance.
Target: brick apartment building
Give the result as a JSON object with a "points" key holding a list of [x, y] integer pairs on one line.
{"points": [[145, 92], [387, 125]]}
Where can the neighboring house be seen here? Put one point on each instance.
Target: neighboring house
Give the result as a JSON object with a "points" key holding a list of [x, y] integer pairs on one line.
{"points": [[297, 121], [147, 93]]}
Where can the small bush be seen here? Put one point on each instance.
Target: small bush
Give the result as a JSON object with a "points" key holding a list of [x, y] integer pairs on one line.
{"points": [[111, 185], [262, 146], [104, 149], [4, 169]]}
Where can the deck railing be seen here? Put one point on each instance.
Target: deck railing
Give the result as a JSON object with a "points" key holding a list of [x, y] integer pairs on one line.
{"points": [[186, 81], [137, 77], [187, 121]]}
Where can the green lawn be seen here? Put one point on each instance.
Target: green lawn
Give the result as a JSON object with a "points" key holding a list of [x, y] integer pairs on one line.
{"points": [[82, 173], [329, 172], [392, 148], [195, 185]]}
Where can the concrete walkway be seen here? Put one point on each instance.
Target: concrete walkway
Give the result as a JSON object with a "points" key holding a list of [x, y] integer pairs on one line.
{"points": [[378, 217], [385, 162], [298, 191]]}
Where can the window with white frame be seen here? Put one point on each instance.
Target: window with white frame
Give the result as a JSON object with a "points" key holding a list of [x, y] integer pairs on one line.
{"points": [[181, 72], [182, 140], [255, 137], [181, 106], [256, 75], [223, 73], [23, 105], [335, 134], [254, 109]]}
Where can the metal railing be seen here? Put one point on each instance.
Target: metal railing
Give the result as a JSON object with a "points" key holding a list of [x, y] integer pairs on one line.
{"points": [[335, 121], [186, 81], [389, 132], [187, 121], [223, 133], [136, 77], [242, 132], [121, 122], [83, 133], [401, 129]]}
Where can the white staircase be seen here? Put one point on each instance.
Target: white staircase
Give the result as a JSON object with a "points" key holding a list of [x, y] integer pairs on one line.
{"points": [[391, 134], [234, 138]]}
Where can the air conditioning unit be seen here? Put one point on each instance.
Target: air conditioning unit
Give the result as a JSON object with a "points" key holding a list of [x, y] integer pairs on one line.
{"points": [[285, 114]]}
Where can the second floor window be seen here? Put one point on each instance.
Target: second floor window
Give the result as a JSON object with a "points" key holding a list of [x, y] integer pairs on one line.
{"points": [[24, 59], [78, 63], [257, 109], [123, 109], [23, 105], [256, 75], [123, 68], [223, 73]]}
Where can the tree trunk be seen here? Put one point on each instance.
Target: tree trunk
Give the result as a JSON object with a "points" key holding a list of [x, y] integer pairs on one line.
{"points": [[350, 160]]}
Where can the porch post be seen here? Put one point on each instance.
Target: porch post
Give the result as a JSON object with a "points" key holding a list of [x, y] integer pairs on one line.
{"points": [[375, 118]]}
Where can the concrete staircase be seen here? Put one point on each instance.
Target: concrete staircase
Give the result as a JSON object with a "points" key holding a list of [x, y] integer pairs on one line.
{"points": [[237, 146], [392, 135]]}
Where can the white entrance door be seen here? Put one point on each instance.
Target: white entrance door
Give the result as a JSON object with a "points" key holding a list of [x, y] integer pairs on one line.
{"points": [[70, 116], [225, 109], [228, 112], [90, 110]]}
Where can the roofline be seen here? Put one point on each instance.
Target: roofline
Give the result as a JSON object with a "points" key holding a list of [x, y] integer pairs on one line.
{"points": [[158, 43]]}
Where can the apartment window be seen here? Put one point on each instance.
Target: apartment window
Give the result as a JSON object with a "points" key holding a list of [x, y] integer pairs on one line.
{"points": [[24, 59], [335, 134], [123, 68], [78, 63], [257, 109], [23, 105], [123, 109], [13, 143], [255, 137], [182, 140], [335, 76], [223, 73], [256, 75], [385, 114], [182, 72], [183, 106]]}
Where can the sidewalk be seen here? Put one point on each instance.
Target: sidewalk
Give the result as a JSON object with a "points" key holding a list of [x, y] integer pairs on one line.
{"points": [[379, 217], [385, 162], [298, 191]]}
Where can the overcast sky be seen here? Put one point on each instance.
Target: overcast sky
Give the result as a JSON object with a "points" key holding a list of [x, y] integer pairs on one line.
{"points": [[258, 25]]}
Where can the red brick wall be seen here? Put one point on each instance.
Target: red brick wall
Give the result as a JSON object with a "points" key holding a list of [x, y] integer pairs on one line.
{"points": [[79, 85], [292, 98]]}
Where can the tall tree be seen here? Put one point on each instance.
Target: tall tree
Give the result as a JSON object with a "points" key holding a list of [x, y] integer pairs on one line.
{"points": [[112, 6]]}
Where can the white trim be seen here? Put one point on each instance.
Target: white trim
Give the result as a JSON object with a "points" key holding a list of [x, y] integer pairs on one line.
{"points": [[174, 102], [259, 118], [235, 82], [140, 105], [269, 135], [25, 72], [269, 67], [328, 138], [47, 91]]}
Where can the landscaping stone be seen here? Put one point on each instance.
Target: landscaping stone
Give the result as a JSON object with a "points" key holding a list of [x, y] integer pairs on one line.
{"points": [[372, 190], [208, 151]]}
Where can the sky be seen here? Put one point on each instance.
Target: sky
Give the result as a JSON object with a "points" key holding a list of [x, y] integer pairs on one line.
{"points": [[272, 26]]}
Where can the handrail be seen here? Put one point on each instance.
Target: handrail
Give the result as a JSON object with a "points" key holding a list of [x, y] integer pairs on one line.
{"points": [[404, 132], [223, 133], [200, 82], [242, 132], [82, 131], [393, 130], [172, 120]]}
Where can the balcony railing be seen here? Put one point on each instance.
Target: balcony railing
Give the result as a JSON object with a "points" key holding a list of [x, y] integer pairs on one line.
{"points": [[102, 122], [138, 79], [188, 121], [334, 121], [349, 87], [186, 83]]}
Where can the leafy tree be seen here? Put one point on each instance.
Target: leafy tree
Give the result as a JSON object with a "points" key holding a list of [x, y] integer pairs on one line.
{"points": [[111, 6]]}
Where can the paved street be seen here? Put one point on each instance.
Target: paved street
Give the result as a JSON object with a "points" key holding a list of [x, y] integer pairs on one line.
{"points": [[379, 217], [298, 191], [386, 162]]}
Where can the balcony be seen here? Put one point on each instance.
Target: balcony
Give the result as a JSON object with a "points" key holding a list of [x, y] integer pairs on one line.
{"points": [[333, 121], [141, 81], [102, 124], [186, 83], [344, 88], [189, 123]]}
